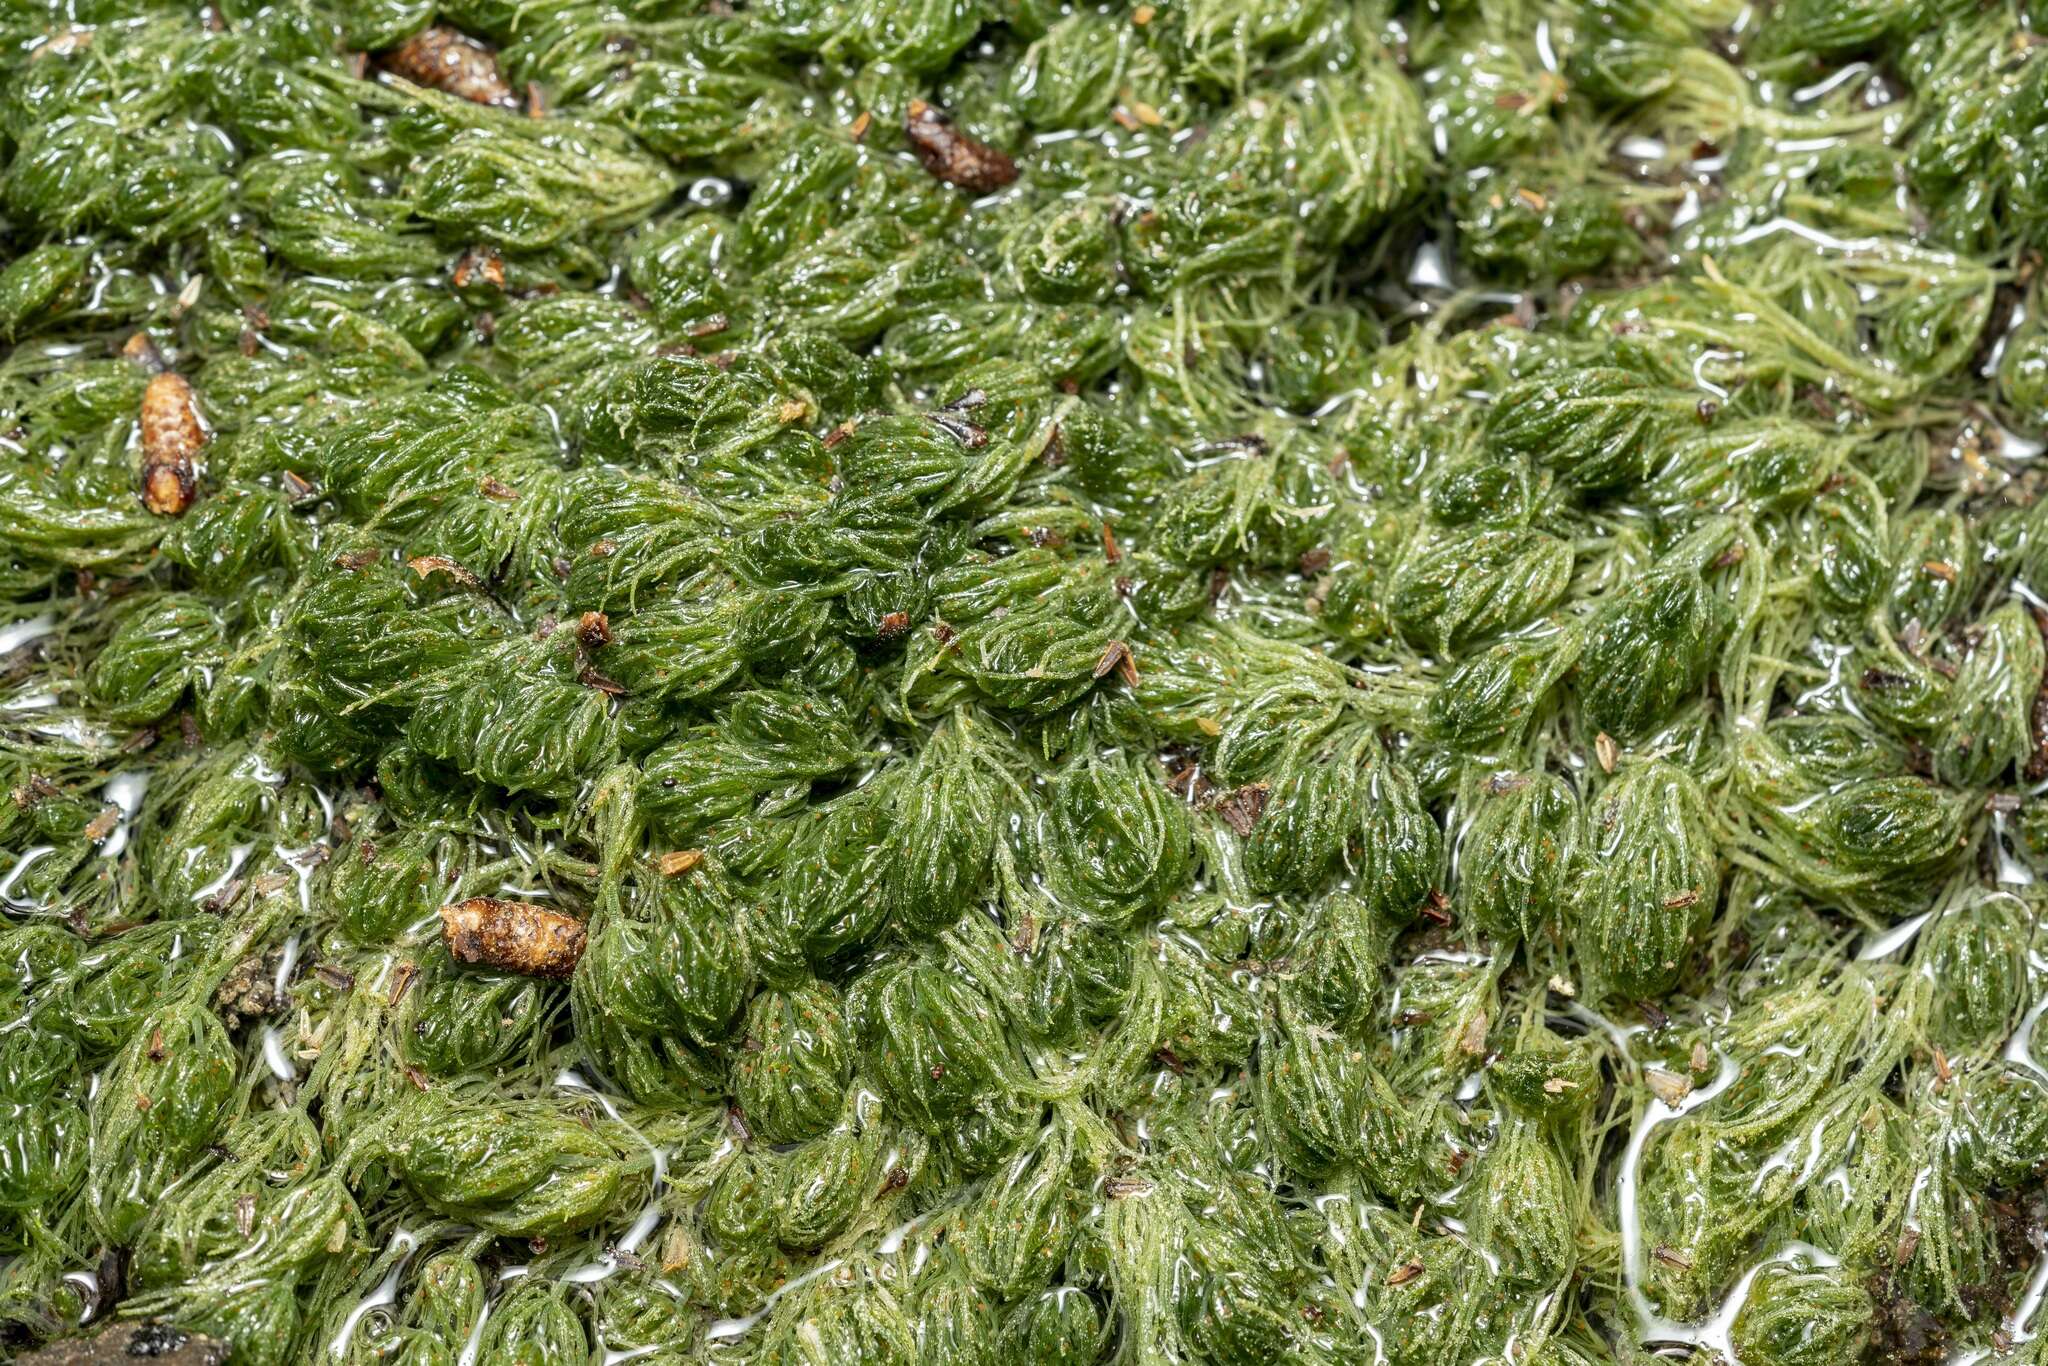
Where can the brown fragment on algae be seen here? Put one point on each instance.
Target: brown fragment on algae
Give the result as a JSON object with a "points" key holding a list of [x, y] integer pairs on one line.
{"points": [[1669, 1087], [441, 58], [1242, 807], [952, 156], [172, 438], [512, 936], [1117, 657], [479, 263], [142, 349], [428, 565], [679, 861]]}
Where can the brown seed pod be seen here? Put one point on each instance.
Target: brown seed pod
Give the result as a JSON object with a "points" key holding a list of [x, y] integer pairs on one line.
{"points": [[452, 62], [1116, 656], [172, 437], [950, 155], [512, 936], [680, 861]]}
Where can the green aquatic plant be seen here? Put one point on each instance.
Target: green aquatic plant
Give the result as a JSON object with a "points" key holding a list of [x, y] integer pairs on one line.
{"points": [[822, 681]]}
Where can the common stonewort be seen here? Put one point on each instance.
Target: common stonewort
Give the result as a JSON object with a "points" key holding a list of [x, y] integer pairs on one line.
{"points": [[1010, 683]]}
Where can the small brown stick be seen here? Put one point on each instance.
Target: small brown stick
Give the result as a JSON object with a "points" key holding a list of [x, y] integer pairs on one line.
{"points": [[455, 63], [512, 936], [172, 437], [950, 155]]}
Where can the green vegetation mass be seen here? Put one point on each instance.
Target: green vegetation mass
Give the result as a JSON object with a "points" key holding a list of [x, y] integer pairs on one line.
{"points": [[999, 683]]}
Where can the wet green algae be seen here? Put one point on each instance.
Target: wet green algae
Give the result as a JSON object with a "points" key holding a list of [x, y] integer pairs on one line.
{"points": [[1205, 682]]}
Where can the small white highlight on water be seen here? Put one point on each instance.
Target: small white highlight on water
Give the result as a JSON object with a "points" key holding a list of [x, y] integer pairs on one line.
{"points": [[29, 857], [125, 791], [385, 1293], [1893, 939], [20, 633], [1428, 270]]}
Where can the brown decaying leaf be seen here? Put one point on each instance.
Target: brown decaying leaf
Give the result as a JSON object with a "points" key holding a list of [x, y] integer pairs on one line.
{"points": [[952, 156], [1242, 807], [512, 936], [1116, 656]]}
